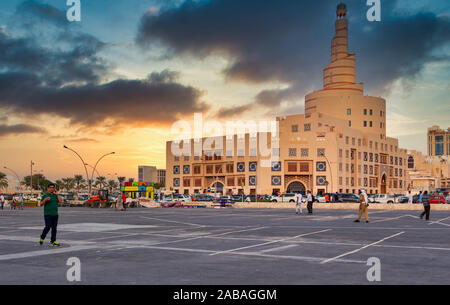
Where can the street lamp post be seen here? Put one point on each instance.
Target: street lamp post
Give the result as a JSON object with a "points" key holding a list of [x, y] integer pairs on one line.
{"points": [[92, 176], [31, 178], [84, 164], [17, 176], [331, 171]]}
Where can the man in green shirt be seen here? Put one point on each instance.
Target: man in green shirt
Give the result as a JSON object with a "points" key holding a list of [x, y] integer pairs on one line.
{"points": [[50, 201]]}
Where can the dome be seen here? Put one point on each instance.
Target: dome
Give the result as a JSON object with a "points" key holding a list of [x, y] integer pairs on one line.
{"points": [[342, 6]]}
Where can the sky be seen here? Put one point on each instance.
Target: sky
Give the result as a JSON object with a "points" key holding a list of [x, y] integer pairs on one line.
{"points": [[119, 78]]}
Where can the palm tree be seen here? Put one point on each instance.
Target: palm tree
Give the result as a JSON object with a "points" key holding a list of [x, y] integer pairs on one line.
{"points": [[130, 179], [112, 185], [100, 181], [3, 181], [121, 179], [79, 181], [68, 183]]}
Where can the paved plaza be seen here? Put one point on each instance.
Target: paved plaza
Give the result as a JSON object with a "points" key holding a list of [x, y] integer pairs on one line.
{"points": [[225, 246]]}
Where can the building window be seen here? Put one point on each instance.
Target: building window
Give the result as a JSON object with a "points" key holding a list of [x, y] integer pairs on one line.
{"points": [[307, 127], [176, 182], [365, 169], [353, 141], [186, 169], [176, 158], [370, 112], [365, 123], [365, 111], [252, 180], [176, 170], [370, 124], [365, 156], [294, 128], [305, 152], [340, 153], [240, 167], [186, 158], [321, 166], [371, 157], [347, 140], [347, 154], [410, 162], [321, 180], [292, 166], [340, 167], [320, 152], [359, 142], [276, 180], [292, 152], [253, 166], [276, 166], [230, 181], [349, 111], [349, 123], [197, 170], [304, 167]]}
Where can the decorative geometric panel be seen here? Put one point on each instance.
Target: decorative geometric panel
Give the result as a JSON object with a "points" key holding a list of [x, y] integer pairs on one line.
{"points": [[186, 169], [252, 180], [252, 166], [321, 166], [176, 182], [241, 167], [321, 180], [276, 180], [276, 166], [176, 170]]}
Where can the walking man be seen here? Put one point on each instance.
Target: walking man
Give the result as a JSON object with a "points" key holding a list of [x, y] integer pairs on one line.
{"points": [[50, 201], [21, 201], [2, 201], [363, 206], [124, 201], [309, 199], [420, 197], [410, 197], [426, 206], [298, 203]]}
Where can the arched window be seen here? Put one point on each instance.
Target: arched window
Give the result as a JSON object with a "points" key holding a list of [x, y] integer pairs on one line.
{"points": [[410, 162]]}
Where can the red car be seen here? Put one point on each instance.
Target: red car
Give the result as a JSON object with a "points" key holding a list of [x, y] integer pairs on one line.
{"points": [[436, 199]]}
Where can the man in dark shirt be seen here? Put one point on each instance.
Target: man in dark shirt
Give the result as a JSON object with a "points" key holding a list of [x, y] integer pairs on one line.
{"points": [[50, 201], [426, 206]]}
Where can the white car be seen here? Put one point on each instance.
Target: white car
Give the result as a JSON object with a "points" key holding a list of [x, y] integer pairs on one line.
{"points": [[182, 198], [383, 198], [288, 197]]}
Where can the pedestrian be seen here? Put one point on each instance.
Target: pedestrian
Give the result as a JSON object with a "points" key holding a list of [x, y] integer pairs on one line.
{"points": [[13, 202], [363, 205], [118, 202], [309, 199], [50, 201], [420, 197], [124, 202], [298, 203], [426, 205], [2, 201], [410, 197], [21, 201]]}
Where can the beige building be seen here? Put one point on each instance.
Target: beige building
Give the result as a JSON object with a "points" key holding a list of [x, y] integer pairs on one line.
{"points": [[438, 141], [428, 173], [151, 174], [338, 145]]}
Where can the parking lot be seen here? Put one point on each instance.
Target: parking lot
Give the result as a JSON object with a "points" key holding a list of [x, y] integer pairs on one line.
{"points": [[225, 246]]}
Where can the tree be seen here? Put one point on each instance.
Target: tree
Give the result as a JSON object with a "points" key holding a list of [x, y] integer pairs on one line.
{"points": [[112, 185], [130, 179], [68, 183], [100, 181], [3, 181], [79, 182], [121, 180], [59, 184], [39, 182]]}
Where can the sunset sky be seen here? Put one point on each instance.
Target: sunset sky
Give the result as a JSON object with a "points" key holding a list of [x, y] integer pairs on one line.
{"points": [[117, 80]]}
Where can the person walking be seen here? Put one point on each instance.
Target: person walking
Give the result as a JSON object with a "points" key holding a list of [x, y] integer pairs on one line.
{"points": [[2, 201], [298, 203], [124, 202], [21, 201], [363, 206], [426, 206], [50, 201], [410, 197], [420, 197], [13, 203], [309, 199]]}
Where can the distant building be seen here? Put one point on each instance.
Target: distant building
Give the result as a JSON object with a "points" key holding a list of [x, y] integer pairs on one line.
{"points": [[428, 173], [438, 141], [151, 174]]}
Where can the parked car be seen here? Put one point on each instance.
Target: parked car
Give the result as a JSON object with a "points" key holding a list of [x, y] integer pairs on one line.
{"points": [[448, 198], [344, 197], [182, 198], [437, 199], [401, 199], [384, 198], [237, 197], [288, 197]]}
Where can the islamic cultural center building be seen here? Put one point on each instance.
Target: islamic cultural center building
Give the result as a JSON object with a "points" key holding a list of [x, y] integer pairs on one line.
{"points": [[338, 145]]}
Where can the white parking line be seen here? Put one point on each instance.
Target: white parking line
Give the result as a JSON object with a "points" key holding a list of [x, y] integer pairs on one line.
{"points": [[278, 248], [268, 243], [362, 248], [44, 252], [179, 222]]}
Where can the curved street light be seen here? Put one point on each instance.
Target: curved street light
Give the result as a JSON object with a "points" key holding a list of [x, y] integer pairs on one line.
{"points": [[87, 175], [331, 171], [94, 169], [17, 176]]}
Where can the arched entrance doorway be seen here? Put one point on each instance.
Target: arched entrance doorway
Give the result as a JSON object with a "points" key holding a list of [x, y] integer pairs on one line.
{"points": [[219, 187], [383, 184], [296, 187]]}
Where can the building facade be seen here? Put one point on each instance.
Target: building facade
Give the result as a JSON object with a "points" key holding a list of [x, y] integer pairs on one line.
{"points": [[152, 174], [438, 141], [428, 173], [338, 145]]}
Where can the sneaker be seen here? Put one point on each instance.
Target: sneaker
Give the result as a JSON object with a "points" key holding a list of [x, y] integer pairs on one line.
{"points": [[367, 221], [54, 244], [356, 220], [41, 241]]}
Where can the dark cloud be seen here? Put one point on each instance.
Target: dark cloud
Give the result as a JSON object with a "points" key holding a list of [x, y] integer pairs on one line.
{"points": [[83, 140], [289, 41], [229, 112], [6, 130], [67, 79]]}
